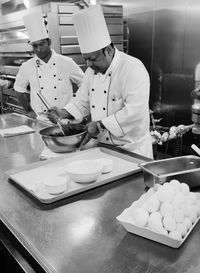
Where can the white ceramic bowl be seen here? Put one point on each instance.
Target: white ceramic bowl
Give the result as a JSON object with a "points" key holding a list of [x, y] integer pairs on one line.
{"points": [[56, 184], [84, 171], [107, 164]]}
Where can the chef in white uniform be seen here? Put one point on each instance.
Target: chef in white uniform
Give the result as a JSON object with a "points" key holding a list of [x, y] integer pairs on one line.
{"points": [[115, 89], [48, 73]]}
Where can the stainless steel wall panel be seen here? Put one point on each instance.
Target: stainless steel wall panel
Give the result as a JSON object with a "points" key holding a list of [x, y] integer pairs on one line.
{"points": [[113, 10], [53, 30], [139, 15], [169, 31], [192, 37], [65, 20], [67, 30], [70, 49], [116, 39], [68, 40], [71, 40], [15, 47], [176, 100], [78, 58], [67, 8]]}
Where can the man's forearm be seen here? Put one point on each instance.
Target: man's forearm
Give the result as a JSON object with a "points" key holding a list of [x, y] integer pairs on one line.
{"points": [[23, 100]]}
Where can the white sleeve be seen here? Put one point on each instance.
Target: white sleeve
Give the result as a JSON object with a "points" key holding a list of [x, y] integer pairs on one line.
{"points": [[21, 81], [79, 106]]}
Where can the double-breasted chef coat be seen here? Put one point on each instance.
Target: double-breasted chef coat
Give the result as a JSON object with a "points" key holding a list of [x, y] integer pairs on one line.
{"points": [[52, 79], [120, 98]]}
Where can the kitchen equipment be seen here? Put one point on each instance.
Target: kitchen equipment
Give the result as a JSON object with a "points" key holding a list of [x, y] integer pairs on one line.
{"points": [[59, 123], [196, 111], [126, 215], [195, 148], [184, 168], [31, 176], [58, 143]]}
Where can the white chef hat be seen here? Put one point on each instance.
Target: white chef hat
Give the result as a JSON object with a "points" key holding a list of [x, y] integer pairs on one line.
{"points": [[35, 26], [91, 29]]}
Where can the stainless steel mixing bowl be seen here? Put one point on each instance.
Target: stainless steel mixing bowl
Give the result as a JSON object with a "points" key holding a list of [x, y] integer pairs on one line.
{"points": [[57, 143]]}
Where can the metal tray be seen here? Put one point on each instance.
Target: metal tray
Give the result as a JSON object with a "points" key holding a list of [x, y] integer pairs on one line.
{"points": [[30, 176], [184, 168]]}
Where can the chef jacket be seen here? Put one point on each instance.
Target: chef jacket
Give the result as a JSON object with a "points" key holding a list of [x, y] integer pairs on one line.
{"points": [[120, 98], [52, 79]]}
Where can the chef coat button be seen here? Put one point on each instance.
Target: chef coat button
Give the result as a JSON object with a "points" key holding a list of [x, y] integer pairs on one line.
{"points": [[40, 77], [104, 108], [107, 138], [42, 87], [105, 91], [54, 64], [109, 74], [74, 95], [93, 106], [45, 110], [92, 89], [38, 66], [54, 87], [55, 98], [54, 75]]}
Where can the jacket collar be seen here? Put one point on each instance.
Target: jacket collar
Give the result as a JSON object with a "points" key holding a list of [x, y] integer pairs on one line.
{"points": [[111, 67], [40, 62]]}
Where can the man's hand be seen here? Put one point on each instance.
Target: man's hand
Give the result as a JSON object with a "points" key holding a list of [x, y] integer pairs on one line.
{"points": [[31, 114], [92, 132], [55, 113]]}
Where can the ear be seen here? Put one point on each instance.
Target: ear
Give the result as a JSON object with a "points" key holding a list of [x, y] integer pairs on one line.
{"points": [[109, 50]]}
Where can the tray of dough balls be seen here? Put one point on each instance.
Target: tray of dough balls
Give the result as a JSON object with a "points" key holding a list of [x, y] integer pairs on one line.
{"points": [[165, 213], [64, 176]]}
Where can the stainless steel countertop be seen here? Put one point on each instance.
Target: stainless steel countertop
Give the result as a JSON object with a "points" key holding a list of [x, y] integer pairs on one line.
{"points": [[81, 234]]}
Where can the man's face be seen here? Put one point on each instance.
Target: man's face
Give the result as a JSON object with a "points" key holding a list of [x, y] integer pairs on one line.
{"points": [[99, 61], [42, 48]]}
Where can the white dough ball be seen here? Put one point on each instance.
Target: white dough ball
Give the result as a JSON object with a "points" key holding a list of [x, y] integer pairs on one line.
{"points": [[164, 195], [155, 222], [175, 234], [141, 216], [182, 229], [156, 216], [175, 184], [166, 209], [198, 196], [178, 200], [157, 187], [163, 231], [192, 198], [197, 209], [187, 210], [178, 215], [187, 222], [169, 223], [184, 188], [152, 204], [193, 215]]}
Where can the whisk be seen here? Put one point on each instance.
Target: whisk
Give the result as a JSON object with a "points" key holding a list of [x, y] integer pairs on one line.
{"points": [[59, 122]]}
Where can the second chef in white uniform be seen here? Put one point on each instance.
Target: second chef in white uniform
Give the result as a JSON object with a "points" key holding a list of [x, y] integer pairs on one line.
{"points": [[48, 73], [115, 89]]}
